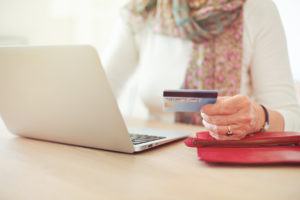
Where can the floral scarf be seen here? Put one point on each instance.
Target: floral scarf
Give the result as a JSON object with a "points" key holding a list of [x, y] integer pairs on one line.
{"points": [[216, 30]]}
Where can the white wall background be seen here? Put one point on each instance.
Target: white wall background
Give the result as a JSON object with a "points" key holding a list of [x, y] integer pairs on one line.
{"points": [[290, 14], [42, 22]]}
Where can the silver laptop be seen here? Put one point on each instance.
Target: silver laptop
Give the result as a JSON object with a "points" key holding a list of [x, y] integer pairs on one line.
{"points": [[61, 94]]}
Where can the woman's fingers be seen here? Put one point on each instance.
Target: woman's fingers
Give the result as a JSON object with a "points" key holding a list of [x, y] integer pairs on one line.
{"points": [[226, 105], [236, 114], [221, 132], [222, 137], [242, 116]]}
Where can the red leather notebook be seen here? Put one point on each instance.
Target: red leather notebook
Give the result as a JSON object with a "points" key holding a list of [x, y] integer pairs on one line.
{"points": [[262, 148]]}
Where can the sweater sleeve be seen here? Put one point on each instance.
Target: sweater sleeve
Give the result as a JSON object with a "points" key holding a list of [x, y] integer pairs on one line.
{"points": [[270, 72], [120, 58]]}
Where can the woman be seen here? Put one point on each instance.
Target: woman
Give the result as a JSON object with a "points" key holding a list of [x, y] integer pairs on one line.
{"points": [[237, 47]]}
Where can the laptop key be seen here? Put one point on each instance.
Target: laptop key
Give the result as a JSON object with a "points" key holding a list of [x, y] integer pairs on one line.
{"points": [[139, 139]]}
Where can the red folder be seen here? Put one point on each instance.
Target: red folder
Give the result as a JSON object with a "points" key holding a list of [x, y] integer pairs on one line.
{"points": [[261, 148]]}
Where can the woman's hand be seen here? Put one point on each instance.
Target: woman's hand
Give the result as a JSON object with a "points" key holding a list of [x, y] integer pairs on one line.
{"points": [[236, 114]]}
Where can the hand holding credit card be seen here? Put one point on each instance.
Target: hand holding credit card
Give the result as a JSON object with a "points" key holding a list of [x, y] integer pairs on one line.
{"points": [[187, 100]]}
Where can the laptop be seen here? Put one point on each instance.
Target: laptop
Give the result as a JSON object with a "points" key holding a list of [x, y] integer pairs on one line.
{"points": [[61, 94]]}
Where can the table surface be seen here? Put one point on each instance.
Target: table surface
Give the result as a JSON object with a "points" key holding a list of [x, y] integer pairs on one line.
{"points": [[32, 169]]}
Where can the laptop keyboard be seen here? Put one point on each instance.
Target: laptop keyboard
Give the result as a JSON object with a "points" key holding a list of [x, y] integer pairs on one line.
{"points": [[139, 139]]}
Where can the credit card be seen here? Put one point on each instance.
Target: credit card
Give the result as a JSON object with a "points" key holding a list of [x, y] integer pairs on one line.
{"points": [[187, 100]]}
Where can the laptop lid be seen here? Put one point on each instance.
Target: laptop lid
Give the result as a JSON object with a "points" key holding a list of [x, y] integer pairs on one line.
{"points": [[61, 94]]}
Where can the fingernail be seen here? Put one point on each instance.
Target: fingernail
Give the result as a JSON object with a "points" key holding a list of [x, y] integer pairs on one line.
{"points": [[212, 134], [209, 126], [203, 115], [204, 123]]}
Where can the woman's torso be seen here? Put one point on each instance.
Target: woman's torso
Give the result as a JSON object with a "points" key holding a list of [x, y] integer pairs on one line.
{"points": [[163, 61]]}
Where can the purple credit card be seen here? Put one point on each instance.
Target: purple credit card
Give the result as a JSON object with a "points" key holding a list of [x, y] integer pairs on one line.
{"points": [[187, 100]]}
